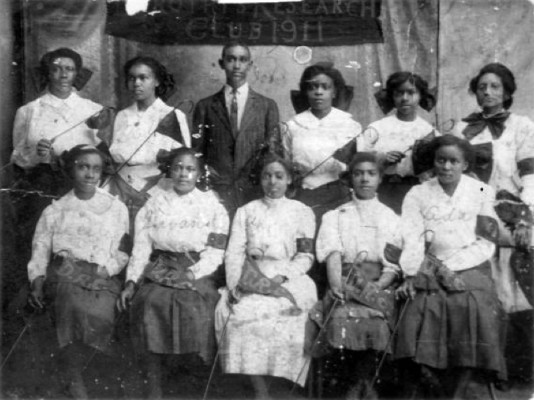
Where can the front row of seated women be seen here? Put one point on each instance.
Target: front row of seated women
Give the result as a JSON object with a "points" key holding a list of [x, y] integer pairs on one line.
{"points": [[447, 234]]}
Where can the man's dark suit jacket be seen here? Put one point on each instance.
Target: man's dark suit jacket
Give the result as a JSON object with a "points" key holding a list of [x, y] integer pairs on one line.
{"points": [[232, 157]]}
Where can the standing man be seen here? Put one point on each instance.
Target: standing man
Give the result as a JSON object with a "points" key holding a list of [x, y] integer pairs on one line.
{"points": [[233, 128]]}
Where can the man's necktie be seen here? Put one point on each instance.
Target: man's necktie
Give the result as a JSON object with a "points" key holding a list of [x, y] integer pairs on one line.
{"points": [[233, 113]]}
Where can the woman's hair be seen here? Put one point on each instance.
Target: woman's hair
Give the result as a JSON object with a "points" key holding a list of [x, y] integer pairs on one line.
{"points": [[322, 68], [450, 140], [427, 100], [165, 79], [166, 158], [68, 158], [63, 52], [507, 79], [275, 158], [361, 157]]}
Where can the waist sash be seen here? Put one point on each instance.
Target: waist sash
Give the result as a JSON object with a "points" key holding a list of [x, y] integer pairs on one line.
{"points": [[80, 273], [170, 269]]}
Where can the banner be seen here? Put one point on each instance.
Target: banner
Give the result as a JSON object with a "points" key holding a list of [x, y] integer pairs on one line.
{"points": [[309, 22]]}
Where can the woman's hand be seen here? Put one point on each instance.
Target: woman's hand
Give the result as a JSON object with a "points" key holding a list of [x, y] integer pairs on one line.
{"points": [[393, 157], [35, 298], [102, 272], [337, 293], [406, 290], [522, 236], [233, 297], [44, 146], [126, 296], [279, 279]]}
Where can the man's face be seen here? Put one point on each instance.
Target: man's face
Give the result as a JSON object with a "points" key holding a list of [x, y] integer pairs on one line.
{"points": [[236, 63]]}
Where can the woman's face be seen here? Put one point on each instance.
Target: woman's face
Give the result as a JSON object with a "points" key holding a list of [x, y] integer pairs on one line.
{"points": [[274, 180], [321, 93], [490, 93], [61, 75], [142, 83], [86, 174], [406, 98], [449, 164], [184, 173], [365, 179]]}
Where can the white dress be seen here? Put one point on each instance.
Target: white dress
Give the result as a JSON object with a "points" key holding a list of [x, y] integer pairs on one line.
{"points": [[515, 144], [175, 223], [89, 230], [392, 134], [46, 117], [132, 128], [262, 337], [308, 141]]}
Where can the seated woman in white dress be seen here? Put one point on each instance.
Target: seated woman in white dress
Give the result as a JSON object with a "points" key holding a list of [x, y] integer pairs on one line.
{"points": [[449, 233], [142, 130], [395, 135], [263, 310], [78, 249], [352, 240], [180, 237]]}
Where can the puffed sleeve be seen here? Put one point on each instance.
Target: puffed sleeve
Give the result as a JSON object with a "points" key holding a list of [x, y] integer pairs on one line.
{"points": [[303, 259], [42, 244], [483, 248], [121, 223], [286, 137], [213, 255], [525, 159], [22, 154], [328, 238], [412, 228], [142, 244], [236, 251]]}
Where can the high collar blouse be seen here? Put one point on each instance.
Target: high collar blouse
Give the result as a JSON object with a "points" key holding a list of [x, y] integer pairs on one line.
{"points": [[89, 230], [448, 223], [308, 141], [359, 228], [392, 134], [45, 118], [270, 228], [179, 223], [132, 127]]}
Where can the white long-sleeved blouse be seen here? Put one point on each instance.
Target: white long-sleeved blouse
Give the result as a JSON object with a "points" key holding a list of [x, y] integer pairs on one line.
{"points": [[132, 127], [448, 223], [270, 228], [46, 117], [89, 230], [392, 134], [179, 223], [308, 141], [516, 144], [359, 227]]}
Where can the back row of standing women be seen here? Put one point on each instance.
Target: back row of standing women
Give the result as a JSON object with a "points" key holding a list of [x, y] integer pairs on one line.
{"points": [[181, 232]]}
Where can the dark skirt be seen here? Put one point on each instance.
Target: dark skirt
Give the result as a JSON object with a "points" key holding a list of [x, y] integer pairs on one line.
{"points": [[168, 320], [393, 189], [453, 328], [83, 305]]}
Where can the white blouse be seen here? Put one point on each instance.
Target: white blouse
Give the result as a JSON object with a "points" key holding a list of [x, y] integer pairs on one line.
{"points": [[270, 228], [132, 128], [359, 226], [47, 117], [179, 223], [308, 141], [515, 144], [448, 223], [392, 134], [89, 230]]}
